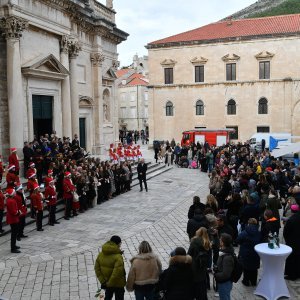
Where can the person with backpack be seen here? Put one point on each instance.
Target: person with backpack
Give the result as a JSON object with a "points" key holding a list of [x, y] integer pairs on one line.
{"points": [[225, 267], [200, 251]]}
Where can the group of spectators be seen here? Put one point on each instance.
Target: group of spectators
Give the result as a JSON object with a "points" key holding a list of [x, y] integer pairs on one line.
{"points": [[127, 137], [252, 196]]}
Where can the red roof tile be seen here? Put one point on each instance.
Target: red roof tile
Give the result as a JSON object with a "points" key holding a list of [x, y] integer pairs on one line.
{"points": [[137, 81], [122, 72], [238, 28]]}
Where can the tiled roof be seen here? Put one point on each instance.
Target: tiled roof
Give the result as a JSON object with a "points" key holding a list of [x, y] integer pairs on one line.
{"points": [[285, 24], [122, 72], [135, 79]]}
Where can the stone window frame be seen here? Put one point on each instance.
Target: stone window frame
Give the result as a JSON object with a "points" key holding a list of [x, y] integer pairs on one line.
{"points": [[198, 62], [230, 106], [231, 59], [263, 106], [169, 109], [200, 103], [168, 64], [264, 56]]}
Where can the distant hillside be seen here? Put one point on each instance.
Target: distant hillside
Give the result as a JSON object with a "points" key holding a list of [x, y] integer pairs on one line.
{"points": [[285, 8], [259, 7]]}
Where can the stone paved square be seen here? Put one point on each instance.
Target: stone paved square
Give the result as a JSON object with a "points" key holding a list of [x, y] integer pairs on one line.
{"points": [[58, 263]]}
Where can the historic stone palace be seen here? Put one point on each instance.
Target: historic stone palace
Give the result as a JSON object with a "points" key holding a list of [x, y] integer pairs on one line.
{"points": [[58, 60]]}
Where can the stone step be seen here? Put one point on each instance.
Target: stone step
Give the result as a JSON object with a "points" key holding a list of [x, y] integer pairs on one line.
{"points": [[153, 171]]}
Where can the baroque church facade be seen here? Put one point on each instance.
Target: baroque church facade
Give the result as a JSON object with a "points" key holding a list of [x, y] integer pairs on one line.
{"points": [[58, 60]]}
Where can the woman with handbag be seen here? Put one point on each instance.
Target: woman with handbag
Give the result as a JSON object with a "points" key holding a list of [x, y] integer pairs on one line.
{"points": [[144, 273]]}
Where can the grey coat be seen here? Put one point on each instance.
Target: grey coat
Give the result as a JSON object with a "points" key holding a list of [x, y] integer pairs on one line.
{"points": [[225, 265]]}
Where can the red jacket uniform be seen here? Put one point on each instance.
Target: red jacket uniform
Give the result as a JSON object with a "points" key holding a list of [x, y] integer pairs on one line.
{"points": [[1, 168], [21, 204], [69, 188], [50, 195], [12, 214], [1, 200], [14, 160], [12, 179], [30, 185], [47, 180], [37, 201]]}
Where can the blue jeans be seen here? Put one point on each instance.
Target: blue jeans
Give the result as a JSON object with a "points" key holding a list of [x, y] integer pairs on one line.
{"points": [[141, 295], [224, 290]]}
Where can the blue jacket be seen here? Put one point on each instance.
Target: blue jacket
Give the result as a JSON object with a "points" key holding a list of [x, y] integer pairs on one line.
{"points": [[247, 239]]}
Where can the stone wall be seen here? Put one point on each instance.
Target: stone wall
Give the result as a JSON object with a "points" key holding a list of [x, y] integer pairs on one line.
{"points": [[4, 137]]}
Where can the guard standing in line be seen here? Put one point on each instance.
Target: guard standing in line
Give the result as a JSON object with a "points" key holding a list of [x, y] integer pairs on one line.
{"points": [[37, 201], [51, 197], [21, 203], [12, 218], [69, 189]]}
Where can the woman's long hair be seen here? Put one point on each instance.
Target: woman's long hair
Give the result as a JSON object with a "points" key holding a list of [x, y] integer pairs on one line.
{"points": [[144, 247], [203, 235]]}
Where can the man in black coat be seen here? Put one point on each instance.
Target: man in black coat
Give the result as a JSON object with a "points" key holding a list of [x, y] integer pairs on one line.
{"points": [[199, 220], [291, 234], [142, 170]]}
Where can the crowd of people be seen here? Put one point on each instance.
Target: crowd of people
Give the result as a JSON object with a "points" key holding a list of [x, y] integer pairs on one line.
{"points": [[252, 196], [60, 169]]}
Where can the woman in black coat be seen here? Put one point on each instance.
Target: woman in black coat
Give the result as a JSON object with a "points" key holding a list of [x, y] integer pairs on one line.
{"points": [[177, 280], [250, 260], [196, 205]]}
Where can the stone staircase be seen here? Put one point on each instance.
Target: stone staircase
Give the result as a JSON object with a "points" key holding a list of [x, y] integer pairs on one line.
{"points": [[154, 169]]}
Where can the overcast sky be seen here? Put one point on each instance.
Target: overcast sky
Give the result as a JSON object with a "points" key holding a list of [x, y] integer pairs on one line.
{"points": [[147, 21]]}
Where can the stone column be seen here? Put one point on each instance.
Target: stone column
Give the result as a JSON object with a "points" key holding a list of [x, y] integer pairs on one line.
{"points": [[97, 59], [12, 30], [74, 48], [65, 90]]}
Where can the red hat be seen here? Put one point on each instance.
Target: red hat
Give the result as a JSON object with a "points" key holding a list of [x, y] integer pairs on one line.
{"points": [[67, 174], [50, 171], [11, 167], [32, 164], [13, 149], [10, 191], [35, 186]]}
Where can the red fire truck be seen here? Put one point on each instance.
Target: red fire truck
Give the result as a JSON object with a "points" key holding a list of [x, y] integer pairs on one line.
{"points": [[217, 137]]}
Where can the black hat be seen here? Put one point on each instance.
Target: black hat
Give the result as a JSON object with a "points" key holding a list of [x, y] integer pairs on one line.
{"points": [[116, 239]]}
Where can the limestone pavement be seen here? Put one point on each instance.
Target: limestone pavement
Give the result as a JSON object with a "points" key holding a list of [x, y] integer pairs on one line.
{"points": [[59, 262]]}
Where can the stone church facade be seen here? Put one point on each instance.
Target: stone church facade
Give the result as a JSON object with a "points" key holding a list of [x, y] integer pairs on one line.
{"points": [[241, 74], [58, 61]]}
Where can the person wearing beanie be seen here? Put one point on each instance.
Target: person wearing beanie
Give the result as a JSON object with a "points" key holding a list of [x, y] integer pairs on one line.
{"points": [[11, 176], [51, 197], [49, 177], [68, 190], [21, 203], [177, 280], [12, 218], [110, 270], [291, 236], [31, 183]]}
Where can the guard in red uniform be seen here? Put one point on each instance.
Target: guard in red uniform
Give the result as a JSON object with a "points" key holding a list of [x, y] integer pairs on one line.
{"points": [[12, 218], [51, 197], [2, 197], [11, 178], [68, 190], [31, 183], [13, 159], [21, 203], [37, 201], [1, 169], [49, 177], [30, 170]]}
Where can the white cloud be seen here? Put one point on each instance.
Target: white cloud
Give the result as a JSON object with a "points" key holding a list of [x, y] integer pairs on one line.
{"points": [[147, 21]]}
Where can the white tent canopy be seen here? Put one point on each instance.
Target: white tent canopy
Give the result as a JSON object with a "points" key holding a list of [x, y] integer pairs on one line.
{"points": [[289, 149]]}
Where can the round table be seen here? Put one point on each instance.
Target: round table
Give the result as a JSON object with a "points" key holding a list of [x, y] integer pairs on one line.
{"points": [[272, 284]]}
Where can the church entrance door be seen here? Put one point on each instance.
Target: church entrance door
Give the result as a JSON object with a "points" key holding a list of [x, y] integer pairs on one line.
{"points": [[42, 108]]}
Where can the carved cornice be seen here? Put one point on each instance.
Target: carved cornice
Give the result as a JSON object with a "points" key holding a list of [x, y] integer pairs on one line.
{"points": [[97, 59], [12, 27], [168, 62], [264, 55], [115, 64], [199, 60], [74, 48], [230, 58]]}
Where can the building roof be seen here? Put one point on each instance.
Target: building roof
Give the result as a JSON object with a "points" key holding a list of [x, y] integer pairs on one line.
{"points": [[122, 72], [135, 79], [243, 28]]}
